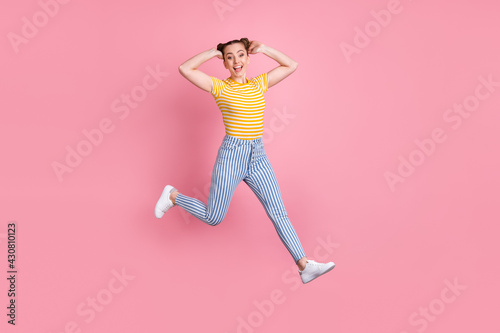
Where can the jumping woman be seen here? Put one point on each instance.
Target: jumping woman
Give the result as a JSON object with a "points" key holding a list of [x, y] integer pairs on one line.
{"points": [[241, 155]]}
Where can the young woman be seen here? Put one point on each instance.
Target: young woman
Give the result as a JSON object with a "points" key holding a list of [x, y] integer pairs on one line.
{"points": [[241, 156]]}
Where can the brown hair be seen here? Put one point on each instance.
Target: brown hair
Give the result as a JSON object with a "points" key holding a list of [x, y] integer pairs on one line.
{"points": [[244, 41]]}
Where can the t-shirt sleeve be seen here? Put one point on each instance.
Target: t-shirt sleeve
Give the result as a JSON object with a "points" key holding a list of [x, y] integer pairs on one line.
{"points": [[216, 86], [263, 80]]}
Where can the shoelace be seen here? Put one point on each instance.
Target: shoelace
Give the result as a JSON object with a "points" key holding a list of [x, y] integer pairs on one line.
{"points": [[165, 207], [311, 263], [315, 264], [168, 204]]}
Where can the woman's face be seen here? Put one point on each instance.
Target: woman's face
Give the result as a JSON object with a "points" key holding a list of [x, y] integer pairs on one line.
{"points": [[236, 59]]}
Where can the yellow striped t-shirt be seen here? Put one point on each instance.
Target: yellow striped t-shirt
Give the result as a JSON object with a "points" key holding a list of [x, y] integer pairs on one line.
{"points": [[242, 105]]}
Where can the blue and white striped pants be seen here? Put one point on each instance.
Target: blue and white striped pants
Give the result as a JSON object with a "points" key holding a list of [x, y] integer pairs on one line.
{"points": [[245, 160]]}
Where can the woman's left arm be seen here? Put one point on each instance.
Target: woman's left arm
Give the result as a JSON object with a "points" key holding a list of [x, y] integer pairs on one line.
{"points": [[287, 65]]}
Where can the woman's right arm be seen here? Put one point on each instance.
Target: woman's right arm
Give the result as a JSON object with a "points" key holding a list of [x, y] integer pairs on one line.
{"points": [[189, 69]]}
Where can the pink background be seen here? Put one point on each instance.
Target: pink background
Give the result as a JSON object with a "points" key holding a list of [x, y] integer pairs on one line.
{"points": [[351, 119]]}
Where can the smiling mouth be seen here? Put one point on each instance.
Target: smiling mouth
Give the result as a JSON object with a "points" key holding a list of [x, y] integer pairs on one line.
{"points": [[237, 68]]}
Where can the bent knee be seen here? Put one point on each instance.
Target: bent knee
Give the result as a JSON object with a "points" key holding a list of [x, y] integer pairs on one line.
{"points": [[215, 220]]}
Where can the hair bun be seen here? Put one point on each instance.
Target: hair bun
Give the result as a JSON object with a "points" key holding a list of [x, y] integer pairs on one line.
{"points": [[243, 40]]}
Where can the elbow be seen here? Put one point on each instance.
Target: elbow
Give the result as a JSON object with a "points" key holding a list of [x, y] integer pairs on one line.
{"points": [[294, 66], [182, 70]]}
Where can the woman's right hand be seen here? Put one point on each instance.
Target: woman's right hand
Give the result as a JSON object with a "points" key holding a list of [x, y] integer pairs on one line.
{"points": [[219, 54]]}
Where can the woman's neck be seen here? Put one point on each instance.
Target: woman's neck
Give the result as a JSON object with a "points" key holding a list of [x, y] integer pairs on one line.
{"points": [[240, 79]]}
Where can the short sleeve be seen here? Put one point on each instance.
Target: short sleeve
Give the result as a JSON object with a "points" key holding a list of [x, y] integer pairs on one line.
{"points": [[263, 80], [216, 86]]}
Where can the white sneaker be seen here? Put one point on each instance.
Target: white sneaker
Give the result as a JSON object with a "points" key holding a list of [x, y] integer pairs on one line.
{"points": [[314, 269], [164, 203]]}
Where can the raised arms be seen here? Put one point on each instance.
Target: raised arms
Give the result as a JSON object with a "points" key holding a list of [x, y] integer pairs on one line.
{"points": [[189, 69], [287, 65]]}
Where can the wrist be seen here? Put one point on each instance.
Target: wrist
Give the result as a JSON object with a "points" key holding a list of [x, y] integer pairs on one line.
{"points": [[214, 52]]}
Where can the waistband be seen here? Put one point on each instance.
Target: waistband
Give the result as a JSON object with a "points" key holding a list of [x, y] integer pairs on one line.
{"points": [[233, 139]]}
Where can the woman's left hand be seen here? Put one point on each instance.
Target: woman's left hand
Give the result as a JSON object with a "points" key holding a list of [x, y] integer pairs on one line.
{"points": [[255, 47]]}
